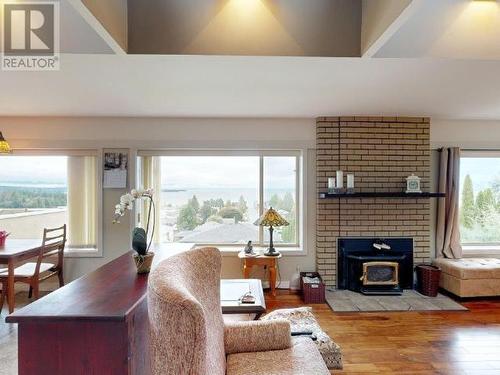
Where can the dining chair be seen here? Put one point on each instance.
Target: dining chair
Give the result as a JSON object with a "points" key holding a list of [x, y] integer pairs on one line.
{"points": [[32, 273]]}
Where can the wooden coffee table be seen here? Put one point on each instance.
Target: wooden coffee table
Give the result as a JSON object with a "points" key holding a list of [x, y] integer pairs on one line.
{"points": [[233, 289]]}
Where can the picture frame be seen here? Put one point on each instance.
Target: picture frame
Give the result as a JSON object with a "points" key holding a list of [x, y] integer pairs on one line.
{"points": [[115, 170]]}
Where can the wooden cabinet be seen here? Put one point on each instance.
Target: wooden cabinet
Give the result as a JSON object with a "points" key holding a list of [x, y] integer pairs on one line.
{"points": [[97, 324]]}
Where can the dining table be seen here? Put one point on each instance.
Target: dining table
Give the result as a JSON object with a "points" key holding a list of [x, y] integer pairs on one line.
{"points": [[15, 251]]}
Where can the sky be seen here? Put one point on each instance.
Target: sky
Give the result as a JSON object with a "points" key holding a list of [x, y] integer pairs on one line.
{"points": [[181, 172], [215, 171], [33, 169], [177, 172], [482, 171]]}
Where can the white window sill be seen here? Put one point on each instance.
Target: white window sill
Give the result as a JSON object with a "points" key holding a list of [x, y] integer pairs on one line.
{"points": [[476, 251], [226, 250], [231, 250], [91, 252]]}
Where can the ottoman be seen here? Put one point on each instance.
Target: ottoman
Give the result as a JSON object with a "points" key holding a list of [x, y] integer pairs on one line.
{"points": [[470, 277], [302, 319]]}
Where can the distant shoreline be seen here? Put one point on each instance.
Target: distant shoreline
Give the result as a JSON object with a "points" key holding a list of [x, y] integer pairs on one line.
{"points": [[32, 186]]}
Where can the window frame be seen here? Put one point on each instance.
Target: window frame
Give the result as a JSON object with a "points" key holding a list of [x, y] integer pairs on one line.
{"points": [[300, 188], [76, 252], [480, 248]]}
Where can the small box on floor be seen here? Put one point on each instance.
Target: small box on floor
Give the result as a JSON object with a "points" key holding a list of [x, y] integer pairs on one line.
{"points": [[312, 287]]}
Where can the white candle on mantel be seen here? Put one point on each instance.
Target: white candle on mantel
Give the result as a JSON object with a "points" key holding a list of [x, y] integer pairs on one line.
{"points": [[331, 183], [350, 181], [340, 179]]}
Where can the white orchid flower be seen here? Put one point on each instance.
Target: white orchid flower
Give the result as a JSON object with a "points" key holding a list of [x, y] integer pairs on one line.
{"points": [[127, 202]]}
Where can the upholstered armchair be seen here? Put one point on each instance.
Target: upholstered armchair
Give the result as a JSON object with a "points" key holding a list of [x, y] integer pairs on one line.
{"points": [[189, 337]]}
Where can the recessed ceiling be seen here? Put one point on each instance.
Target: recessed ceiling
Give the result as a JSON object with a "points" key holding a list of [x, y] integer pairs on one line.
{"points": [[76, 34], [460, 29], [245, 27]]}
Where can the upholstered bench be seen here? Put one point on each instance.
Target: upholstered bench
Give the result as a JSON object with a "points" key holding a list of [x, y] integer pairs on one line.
{"points": [[470, 277], [302, 319]]}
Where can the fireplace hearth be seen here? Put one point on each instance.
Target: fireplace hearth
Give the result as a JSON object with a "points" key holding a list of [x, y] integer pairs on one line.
{"points": [[375, 266]]}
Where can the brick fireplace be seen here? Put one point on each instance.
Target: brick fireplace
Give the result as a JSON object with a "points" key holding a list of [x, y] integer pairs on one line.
{"points": [[381, 152]]}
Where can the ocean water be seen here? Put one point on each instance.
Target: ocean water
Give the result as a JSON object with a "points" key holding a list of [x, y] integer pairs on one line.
{"points": [[27, 185]]}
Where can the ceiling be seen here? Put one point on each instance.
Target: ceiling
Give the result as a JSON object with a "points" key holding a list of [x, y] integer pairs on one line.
{"points": [[245, 27], [438, 59], [460, 29], [78, 32]]}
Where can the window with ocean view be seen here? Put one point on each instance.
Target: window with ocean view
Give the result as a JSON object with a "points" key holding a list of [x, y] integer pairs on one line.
{"points": [[38, 192], [215, 199]]}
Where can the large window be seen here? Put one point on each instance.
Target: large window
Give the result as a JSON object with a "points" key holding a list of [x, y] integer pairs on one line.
{"points": [[480, 198], [216, 198], [47, 191]]}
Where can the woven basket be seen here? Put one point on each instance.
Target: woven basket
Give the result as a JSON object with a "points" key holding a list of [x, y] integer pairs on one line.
{"points": [[144, 263], [312, 293], [428, 279]]}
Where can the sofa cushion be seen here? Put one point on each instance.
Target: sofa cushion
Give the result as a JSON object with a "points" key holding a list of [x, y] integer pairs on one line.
{"points": [[301, 359], [470, 268]]}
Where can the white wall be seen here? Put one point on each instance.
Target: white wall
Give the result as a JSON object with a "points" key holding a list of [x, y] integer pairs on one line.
{"points": [[465, 134], [144, 133]]}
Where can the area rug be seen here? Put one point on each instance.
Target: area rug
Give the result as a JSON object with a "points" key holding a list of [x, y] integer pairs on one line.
{"points": [[410, 300]]}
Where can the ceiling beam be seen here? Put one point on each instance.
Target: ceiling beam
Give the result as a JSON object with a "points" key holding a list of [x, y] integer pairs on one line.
{"points": [[391, 29], [97, 26]]}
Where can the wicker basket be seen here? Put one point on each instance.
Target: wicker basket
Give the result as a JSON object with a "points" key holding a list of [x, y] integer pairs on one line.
{"points": [[312, 293], [428, 279], [144, 263]]}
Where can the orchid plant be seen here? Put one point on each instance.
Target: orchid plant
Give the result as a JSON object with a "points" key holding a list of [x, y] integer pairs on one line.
{"points": [[140, 236], [127, 202]]}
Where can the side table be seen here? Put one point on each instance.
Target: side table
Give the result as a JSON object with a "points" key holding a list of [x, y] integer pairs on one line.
{"points": [[261, 260]]}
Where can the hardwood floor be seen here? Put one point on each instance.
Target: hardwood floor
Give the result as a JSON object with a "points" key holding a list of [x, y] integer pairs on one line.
{"points": [[455, 343]]}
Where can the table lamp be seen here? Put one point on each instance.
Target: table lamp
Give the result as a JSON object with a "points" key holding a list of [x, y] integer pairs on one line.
{"points": [[271, 219]]}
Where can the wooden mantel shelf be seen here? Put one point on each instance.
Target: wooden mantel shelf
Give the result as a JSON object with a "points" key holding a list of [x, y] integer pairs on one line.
{"points": [[397, 194]]}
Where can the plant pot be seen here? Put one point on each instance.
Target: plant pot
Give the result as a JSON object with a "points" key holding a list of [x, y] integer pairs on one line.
{"points": [[144, 262]]}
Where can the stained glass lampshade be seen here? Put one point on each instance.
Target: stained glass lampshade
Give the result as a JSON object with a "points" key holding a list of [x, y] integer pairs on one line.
{"points": [[4, 145], [271, 218]]}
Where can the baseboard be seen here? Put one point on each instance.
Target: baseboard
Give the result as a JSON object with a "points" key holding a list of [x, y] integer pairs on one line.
{"points": [[283, 284]]}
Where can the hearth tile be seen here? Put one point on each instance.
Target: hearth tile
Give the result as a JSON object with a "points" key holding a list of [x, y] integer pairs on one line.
{"points": [[339, 294], [394, 303], [447, 304], [369, 304], [421, 304], [342, 305]]}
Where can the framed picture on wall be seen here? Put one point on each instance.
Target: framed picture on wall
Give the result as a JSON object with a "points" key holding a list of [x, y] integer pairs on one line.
{"points": [[115, 170]]}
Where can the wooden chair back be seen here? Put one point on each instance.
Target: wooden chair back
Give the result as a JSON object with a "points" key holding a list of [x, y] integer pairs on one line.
{"points": [[53, 243]]}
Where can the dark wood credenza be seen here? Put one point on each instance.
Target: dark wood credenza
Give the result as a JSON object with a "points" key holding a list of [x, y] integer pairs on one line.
{"points": [[95, 325]]}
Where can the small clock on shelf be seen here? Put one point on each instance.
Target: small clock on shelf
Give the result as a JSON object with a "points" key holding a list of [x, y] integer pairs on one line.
{"points": [[413, 184]]}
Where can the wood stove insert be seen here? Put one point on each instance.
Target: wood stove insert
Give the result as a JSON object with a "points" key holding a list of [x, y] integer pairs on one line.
{"points": [[386, 268]]}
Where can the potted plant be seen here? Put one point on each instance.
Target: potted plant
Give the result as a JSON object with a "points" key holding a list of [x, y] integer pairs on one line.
{"points": [[143, 257]]}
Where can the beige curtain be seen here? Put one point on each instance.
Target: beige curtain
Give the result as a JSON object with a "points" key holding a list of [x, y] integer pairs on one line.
{"points": [[447, 231], [82, 197], [151, 179]]}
